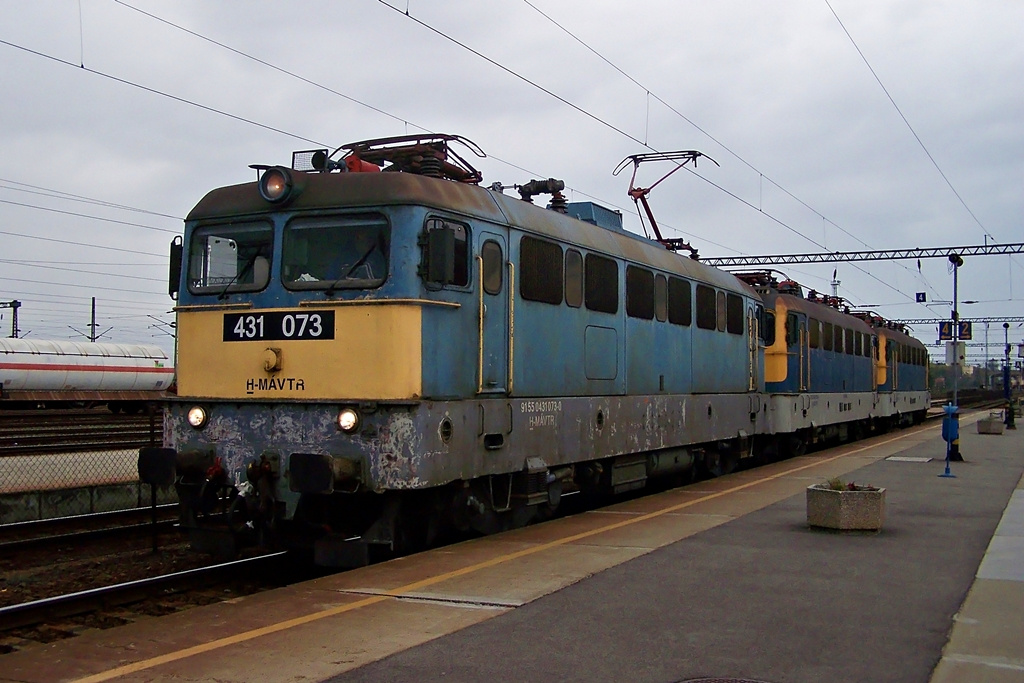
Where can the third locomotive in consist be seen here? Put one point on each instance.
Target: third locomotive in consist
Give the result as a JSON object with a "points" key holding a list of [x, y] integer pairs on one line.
{"points": [[373, 347]]}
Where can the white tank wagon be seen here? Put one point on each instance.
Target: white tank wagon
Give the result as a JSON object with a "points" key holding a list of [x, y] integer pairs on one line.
{"points": [[46, 371]]}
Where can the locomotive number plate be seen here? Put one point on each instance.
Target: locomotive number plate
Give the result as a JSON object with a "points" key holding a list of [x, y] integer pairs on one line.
{"points": [[278, 326]]}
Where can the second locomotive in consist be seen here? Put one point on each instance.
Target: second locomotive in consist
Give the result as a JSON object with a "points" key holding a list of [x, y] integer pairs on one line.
{"points": [[373, 348]]}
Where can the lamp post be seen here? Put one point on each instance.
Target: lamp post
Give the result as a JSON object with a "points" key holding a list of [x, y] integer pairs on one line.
{"points": [[957, 262], [1006, 378], [954, 412], [988, 380]]}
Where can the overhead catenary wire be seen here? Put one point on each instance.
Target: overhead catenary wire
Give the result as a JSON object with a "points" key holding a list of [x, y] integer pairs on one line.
{"points": [[304, 79], [761, 175], [58, 194], [79, 244], [905, 120], [516, 74], [246, 120], [617, 129], [78, 270], [376, 109], [249, 121], [67, 300], [72, 284], [917, 137], [86, 263], [379, 110], [89, 216], [161, 93], [399, 118]]}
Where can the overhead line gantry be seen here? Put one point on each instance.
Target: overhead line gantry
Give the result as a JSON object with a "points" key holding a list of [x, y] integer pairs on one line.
{"points": [[872, 255], [14, 306], [936, 321]]}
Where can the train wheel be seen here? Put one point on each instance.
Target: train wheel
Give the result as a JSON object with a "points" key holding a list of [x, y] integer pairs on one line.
{"points": [[719, 464], [855, 432], [793, 445], [592, 481], [546, 511], [419, 523]]}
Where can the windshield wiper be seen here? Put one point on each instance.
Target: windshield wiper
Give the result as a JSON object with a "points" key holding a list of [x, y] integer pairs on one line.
{"points": [[362, 259], [245, 269]]}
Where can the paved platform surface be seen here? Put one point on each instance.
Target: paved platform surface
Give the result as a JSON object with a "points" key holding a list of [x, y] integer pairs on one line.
{"points": [[764, 597], [722, 579]]}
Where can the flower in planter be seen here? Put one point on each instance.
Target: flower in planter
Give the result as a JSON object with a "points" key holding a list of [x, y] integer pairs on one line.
{"points": [[837, 484], [838, 504]]}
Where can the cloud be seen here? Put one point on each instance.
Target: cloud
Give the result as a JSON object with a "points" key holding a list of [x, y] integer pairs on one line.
{"points": [[781, 88]]}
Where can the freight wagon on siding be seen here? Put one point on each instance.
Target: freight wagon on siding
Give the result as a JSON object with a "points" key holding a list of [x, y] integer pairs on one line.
{"points": [[37, 372]]}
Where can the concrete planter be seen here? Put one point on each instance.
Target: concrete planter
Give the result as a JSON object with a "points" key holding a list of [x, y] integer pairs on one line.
{"points": [[993, 424], [845, 510]]}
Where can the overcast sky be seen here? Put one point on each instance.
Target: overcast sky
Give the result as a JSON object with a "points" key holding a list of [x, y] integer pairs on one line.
{"points": [[117, 117]]}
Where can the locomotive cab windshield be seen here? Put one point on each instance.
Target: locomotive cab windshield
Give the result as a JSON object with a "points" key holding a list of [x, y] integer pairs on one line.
{"points": [[335, 252], [230, 258]]}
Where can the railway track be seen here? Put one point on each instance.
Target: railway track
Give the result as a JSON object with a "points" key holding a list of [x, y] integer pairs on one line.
{"points": [[34, 432], [82, 529], [62, 614], [970, 397]]}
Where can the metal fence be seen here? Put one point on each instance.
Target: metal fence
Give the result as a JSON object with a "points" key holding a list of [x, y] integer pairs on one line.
{"points": [[59, 464]]}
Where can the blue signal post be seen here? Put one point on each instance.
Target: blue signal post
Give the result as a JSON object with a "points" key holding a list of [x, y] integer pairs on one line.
{"points": [[953, 447], [950, 434], [1007, 377]]}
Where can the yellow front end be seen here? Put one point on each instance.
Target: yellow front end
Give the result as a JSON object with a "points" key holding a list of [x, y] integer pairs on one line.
{"points": [[881, 369], [375, 354], [776, 356]]}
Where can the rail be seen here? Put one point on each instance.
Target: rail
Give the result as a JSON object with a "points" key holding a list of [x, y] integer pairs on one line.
{"points": [[82, 602], [72, 432], [19, 536]]}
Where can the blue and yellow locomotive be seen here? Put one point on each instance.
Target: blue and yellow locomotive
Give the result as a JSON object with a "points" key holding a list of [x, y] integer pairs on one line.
{"points": [[833, 374], [374, 348]]}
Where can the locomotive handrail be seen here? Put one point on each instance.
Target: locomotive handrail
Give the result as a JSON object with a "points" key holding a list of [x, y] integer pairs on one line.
{"points": [[511, 323], [214, 307], [381, 302], [480, 328]]}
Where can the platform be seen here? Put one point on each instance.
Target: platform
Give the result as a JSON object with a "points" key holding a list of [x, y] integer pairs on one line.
{"points": [[722, 579]]}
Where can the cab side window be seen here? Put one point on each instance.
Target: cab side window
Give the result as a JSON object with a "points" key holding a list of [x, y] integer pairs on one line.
{"points": [[639, 293], [446, 253], [490, 254], [707, 316], [573, 278], [601, 284], [540, 262]]}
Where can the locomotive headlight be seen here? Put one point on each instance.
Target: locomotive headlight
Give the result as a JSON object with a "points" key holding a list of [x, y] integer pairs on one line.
{"points": [[197, 417], [275, 184], [348, 420]]}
